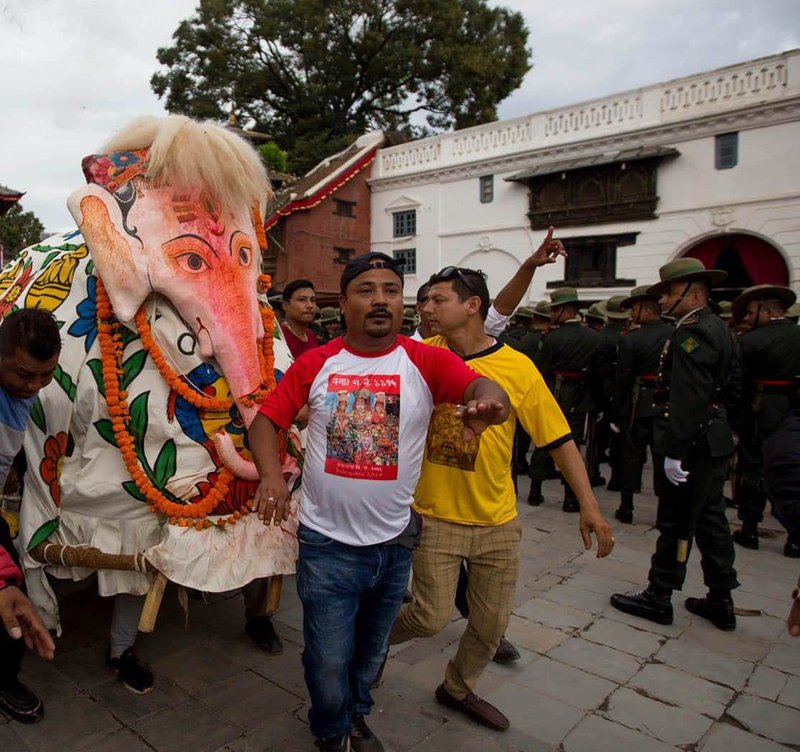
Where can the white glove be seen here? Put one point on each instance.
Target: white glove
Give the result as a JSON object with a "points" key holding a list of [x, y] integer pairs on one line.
{"points": [[674, 472], [614, 427]]}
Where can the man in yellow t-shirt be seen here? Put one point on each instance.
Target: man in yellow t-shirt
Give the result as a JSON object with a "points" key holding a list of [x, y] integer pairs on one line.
{"points": [[466, 495]]}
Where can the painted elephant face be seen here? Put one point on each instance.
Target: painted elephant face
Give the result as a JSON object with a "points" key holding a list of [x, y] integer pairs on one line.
{"points": [[204, 259]]}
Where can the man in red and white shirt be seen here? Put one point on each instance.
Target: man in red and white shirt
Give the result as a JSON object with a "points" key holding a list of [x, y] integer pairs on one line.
{"points": [[370, 396]]}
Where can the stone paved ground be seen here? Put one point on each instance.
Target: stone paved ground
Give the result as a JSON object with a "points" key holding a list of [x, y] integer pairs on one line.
{"points": [[590, 678]]}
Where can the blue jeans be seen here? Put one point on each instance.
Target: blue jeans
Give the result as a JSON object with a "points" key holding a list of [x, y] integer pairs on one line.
{"points": [[351, 596]]}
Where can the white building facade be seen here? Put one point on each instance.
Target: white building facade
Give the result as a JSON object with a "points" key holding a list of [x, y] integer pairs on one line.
{"points": [[706, 166]]}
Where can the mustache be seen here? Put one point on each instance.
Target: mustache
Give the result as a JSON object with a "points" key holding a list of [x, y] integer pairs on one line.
{"points": [[379, 313]]}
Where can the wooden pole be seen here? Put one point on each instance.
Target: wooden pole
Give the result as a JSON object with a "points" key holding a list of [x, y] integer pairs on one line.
{"points": [[274, 593], [152, 603]]}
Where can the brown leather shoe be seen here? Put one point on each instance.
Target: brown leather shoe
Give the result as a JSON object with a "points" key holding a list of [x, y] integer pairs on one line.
{"points": [[479, 710]]}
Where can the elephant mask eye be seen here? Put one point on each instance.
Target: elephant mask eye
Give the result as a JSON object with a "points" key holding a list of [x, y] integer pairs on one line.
{"points": [[244, 256], [192, 262]]}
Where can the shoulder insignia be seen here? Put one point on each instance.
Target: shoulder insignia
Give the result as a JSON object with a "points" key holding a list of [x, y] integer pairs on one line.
{"points": [[689, 345]]}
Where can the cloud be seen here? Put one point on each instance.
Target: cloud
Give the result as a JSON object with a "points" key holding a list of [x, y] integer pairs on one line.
{"points": [[76, 72]]}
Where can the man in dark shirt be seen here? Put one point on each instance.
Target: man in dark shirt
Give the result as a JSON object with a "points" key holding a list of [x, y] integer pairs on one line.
{"points": [[771, 366], [299, 308]]}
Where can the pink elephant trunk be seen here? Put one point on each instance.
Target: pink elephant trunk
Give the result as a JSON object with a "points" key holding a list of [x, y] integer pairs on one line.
{"points": [[233, 341]]}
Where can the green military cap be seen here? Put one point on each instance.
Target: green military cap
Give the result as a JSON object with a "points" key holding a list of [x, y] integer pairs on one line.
{"points": [[595, 311], [762, 292], [686, 270], [409, 314], [614, 310], [725, 309], [328, 313], [523, 312], [542, 309], [637, 294], [563, 296], [793, 311]]}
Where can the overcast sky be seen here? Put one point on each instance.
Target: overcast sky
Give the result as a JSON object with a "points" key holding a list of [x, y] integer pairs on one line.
{"points": [[74, 72]]}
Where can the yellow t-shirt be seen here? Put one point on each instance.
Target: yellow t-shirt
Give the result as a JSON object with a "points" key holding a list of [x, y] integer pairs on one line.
{"points": [[470, 483]]}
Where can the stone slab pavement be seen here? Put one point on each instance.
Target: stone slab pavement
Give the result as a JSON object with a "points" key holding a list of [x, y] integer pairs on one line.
{"points": [[589, 678]]}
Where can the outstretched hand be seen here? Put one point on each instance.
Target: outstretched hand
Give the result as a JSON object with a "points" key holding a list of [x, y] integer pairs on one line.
{"points": [[548, 252], [21, 620], [477, 415], [591, 522]]}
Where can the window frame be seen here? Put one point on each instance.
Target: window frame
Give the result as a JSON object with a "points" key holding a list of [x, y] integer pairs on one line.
{"points": [[486, 196], [413, 252], [339, 203], [405, 219], [726, 150]]}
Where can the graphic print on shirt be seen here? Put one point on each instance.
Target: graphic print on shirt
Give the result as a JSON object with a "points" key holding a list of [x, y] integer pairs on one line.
{"points": [[363, 428], [445, 442]]}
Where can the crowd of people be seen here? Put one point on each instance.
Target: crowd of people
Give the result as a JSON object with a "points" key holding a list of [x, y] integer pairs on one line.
{"points": [[419, 422]]}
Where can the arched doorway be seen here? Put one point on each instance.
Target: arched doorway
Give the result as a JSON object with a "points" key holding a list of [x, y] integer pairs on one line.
{"points": [[747, 259]]}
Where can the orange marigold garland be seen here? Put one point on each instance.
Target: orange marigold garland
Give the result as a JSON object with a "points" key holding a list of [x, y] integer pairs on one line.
{"points": [[111, 349]]}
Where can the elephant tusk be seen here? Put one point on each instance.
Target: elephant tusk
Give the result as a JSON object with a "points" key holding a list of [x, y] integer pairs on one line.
{"points": [[237, 464]]}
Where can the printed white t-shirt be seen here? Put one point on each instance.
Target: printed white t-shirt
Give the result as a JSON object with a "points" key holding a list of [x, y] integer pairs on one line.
{"points": [[367, 422]]}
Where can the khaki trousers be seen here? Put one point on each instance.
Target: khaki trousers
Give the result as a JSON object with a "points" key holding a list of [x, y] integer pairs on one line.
{"points": [[492, 556]]}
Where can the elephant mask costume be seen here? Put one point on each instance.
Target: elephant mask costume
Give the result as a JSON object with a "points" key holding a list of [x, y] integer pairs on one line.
{"points": [[167, 349]]}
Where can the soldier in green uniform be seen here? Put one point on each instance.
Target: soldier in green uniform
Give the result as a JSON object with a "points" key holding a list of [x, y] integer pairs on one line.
{"points": [[410, 321], [771, 366], [528, 343], [594, 317], [608, 443], [634, 417], [793, 313], [520, 326], [568, 362], [696, 445], [328, 325]]}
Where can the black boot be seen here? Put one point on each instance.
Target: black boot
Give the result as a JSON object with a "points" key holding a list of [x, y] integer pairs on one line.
{"points": [[648, 603], [625, 512], [535, 497], [716, 607], [792, 546], [570, 502], [747, 536]]}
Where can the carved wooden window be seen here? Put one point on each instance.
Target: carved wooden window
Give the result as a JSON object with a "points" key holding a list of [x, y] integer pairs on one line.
{"points": [[408, 258], [620, 191], [592, 261]]}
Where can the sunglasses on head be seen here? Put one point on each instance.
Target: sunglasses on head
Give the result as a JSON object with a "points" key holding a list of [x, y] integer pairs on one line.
{"points": [[451, 272]]}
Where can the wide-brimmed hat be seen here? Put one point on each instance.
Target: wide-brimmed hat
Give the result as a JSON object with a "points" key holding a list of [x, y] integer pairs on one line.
{"points": [[542, 309], [723, 309], [793, 311], [523, 312], [328, 313], [409, 314], [563, 296], [686, 270], [786, 296], [614, 310], [595, 311], [640, 293]]}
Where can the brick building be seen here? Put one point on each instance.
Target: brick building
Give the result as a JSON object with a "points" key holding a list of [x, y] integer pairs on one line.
{"points": [[314, 225]]}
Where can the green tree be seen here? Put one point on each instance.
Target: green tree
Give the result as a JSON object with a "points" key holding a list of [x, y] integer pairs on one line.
{"points": [[18, 229], [273, 156], [317, 73]]}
